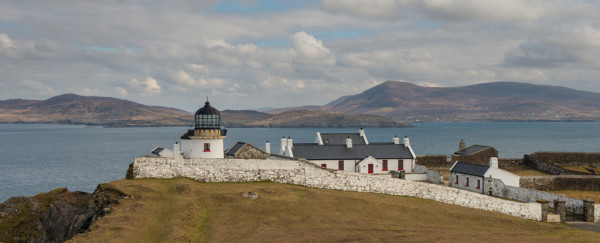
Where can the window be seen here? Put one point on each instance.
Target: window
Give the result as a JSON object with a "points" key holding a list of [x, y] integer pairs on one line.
{"points": [[385, 163], [456, 181], [340, 165], [467, 184], [400, 164], [324, 165], [206, 147], [478, 184]]}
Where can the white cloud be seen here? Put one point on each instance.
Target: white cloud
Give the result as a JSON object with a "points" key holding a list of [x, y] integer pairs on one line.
{"points": [[38, 87], [307, 49], [91, 92], [149, 87], [122, 92]]}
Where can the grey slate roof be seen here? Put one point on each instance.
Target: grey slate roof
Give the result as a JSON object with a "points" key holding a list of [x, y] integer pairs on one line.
{"points": [[471, 150], [235, 148], [157, 150], [470, 169], [340, 138], [357, 152]]}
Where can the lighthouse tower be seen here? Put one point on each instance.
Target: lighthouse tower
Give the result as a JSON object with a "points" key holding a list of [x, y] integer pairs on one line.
{"points": [[206, 139]]}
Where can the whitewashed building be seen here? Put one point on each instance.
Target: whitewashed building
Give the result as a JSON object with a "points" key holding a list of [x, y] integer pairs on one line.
{"points": [[353, 152], [471, 176], [204, 141]]}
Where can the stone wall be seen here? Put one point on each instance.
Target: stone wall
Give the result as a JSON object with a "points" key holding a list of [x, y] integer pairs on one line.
{"points": [[597, 213], [498, 189], [433, 161], [504, 163], [307, 174], [561, 182], [552, 162]]}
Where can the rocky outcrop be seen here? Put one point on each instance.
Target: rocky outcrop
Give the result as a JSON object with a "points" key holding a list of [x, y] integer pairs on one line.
{"points": [[54, 216]]}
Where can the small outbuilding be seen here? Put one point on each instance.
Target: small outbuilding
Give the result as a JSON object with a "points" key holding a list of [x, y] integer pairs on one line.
{"points": [[476, 154], [471, 177]]}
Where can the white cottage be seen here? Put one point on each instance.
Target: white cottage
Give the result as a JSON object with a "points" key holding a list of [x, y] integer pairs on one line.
{"points": [[471, 176], [353, 152]]}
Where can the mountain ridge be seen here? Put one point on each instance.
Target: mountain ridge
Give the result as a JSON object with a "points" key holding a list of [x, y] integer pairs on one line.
{"points": [[496, 101], [114, 112]]}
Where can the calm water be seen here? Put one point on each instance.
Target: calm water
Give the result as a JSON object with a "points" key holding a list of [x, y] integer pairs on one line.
{"points": [[38, 158]]}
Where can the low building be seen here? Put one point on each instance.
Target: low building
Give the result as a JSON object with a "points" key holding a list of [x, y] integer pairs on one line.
{"points": [[243, 150], [353, 152], [471, 177], [476, 154]]}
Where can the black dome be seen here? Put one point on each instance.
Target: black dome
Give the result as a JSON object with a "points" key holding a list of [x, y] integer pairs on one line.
{"points": [[207, 117], [207, 110]]}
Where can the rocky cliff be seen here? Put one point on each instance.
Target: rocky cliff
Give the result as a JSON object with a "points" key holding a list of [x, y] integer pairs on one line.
{"points": [[54, 216]]}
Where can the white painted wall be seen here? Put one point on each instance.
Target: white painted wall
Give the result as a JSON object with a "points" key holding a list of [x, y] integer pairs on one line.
{"points": [[349, 165], [363, 166], [506, 177], [415, 176], [194, 148], [462, 182], [333, 164]]}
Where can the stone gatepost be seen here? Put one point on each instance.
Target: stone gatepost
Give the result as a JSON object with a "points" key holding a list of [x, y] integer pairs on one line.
{"points": [[544, 204], [402, 174], [559, 206], [588, 210]]}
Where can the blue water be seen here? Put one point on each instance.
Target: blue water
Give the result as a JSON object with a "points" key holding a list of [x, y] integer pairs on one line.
{"points": [[38, 158]]}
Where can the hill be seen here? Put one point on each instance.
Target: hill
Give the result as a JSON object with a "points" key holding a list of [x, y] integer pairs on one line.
{"points": [[304, 118], [184, 210], [106, 111], [90, 110], [499, 101]]}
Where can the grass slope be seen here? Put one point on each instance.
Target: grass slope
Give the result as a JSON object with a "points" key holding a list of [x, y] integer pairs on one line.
{"points": [[184, 210]]}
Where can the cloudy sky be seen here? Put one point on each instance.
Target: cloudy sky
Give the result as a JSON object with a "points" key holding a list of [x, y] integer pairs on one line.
{"points": [[268, 53]]}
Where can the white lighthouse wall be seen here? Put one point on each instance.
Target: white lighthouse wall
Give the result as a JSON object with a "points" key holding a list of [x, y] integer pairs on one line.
{"points": [[194, 148]]}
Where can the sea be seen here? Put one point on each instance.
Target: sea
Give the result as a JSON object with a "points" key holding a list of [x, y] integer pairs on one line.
{"points": [[37, 158]]}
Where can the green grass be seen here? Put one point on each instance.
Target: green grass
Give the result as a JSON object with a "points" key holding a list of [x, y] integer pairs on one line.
{"points": [[165, 211]]}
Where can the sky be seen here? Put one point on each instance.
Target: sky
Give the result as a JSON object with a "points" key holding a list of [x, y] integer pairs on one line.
{"points": [[249, 54]]}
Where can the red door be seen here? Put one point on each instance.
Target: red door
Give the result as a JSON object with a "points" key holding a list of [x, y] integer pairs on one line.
{"points": [[370, 168]]}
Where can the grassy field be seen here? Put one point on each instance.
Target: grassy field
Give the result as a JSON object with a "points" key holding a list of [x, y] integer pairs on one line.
{"points": [[183, 210]]}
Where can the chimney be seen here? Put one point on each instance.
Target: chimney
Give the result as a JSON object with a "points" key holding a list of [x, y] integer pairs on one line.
{"points": [[288, 149], [268, 147], [177, 151], [283, 146], [461, 145], [396, 140], [349, 142], [494, 162], [406, 141], [362, 135]]}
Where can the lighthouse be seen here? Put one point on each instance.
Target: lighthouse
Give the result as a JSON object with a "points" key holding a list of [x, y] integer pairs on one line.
{"points": [[206, 139]]}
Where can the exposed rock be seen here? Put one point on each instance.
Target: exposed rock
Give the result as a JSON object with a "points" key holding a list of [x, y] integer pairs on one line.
{"points": [[54, 216], [251, 195]]}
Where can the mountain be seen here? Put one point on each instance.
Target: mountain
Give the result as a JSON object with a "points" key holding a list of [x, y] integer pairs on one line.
{"points": [[498, 101], [90, 110], [304, 118], [105, 111]]}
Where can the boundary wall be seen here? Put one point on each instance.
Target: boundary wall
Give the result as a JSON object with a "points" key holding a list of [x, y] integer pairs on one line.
{"points": [[498, 189], [561, 182], [307, 174]]}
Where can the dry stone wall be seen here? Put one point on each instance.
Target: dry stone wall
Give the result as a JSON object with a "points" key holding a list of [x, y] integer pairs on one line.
{"points": [[561, 182], [307, 174], [498, 189]]}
